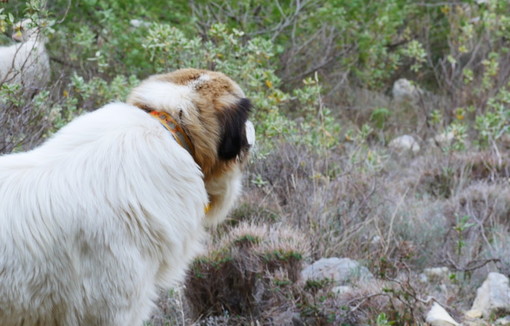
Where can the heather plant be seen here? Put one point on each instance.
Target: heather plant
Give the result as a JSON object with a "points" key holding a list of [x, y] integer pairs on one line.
{"points": [[250, 271]]}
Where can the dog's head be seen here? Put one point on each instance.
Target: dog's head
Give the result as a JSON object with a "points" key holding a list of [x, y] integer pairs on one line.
{"points": [[210, 108]]}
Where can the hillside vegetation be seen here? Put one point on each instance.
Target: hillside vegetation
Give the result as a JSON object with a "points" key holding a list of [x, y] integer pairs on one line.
{"points": [[333, 84]]}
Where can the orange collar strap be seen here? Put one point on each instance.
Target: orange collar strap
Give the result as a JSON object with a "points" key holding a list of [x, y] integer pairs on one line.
{"points": [[180, 136], [175, 129]]}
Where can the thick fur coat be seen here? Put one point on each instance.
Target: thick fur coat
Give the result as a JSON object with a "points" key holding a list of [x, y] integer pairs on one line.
{"points": [[111, 208]]}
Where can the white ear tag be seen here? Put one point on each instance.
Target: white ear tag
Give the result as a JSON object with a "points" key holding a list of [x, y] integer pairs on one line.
{"points": [[250, 133]]}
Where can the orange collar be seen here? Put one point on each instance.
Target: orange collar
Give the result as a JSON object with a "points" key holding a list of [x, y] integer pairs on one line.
{"points": [[180, 136]]}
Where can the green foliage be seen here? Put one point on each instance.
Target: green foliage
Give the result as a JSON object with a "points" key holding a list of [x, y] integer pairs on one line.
{"points": [[495, 122], [316, 285], [251, 63], [379, 117], [281, 256], [459, 132], [10, 94], [382, 320], [223, 50], [461, 226], [366, 29], [246, 241], [370, 40], [98, 35], [417, 53]]}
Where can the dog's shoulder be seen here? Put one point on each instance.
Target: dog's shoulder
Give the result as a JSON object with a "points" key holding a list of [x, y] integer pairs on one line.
{"points": [[110, 117], [104, 125]]}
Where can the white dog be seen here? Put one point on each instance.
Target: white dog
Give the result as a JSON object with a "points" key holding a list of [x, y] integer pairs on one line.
{"points": [[114, 205]]}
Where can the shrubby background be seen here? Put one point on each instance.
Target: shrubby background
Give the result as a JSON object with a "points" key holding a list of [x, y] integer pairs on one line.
{"points": [[320, 75]]}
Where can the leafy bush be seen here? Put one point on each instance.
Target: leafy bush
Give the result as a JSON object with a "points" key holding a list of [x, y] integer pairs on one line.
{"points": [[250, 63]]}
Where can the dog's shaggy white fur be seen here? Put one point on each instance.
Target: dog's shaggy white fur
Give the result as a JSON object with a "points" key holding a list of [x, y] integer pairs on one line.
{"points": [[112, 207]]}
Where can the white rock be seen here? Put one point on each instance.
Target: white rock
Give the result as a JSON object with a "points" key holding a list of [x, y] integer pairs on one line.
{"points": [[340, 270], [493, 296], [505, 321], [403, 90], [137, 23], [376, 240], [438, 316], [404, 143], [473, 314]]}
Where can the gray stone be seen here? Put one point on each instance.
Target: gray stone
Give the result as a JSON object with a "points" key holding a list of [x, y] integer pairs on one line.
{"points": [[493, 297], [438, 316], [341, 270], [287, 318], [404, 90], [505, 321], [405, 143], [137, 23]]}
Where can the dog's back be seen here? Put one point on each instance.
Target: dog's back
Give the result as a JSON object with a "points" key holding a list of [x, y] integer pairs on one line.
{"points": [[92, 221]]}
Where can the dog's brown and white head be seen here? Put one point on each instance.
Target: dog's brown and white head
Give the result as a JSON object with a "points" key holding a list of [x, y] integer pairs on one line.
{"points": [[210, 107], [213, 112]]}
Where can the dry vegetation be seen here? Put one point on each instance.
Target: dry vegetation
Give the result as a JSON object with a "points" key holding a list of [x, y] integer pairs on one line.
{"points": [[437, 208]]}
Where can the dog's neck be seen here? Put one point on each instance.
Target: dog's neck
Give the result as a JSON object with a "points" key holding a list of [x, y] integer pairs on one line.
{"points": [[180, 136]]}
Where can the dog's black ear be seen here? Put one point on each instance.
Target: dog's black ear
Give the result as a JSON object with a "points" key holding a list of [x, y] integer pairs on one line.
{"points": [[233, 138]]}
